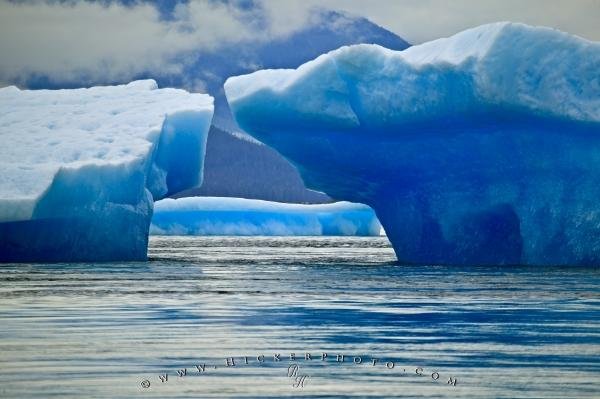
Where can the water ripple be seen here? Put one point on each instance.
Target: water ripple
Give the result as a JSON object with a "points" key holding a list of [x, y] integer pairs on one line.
{"points": [[99, 330]]}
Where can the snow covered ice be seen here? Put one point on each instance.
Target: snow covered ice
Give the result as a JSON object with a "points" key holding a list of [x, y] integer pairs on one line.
{"points": [[79, 169], [481, 148], [239, 216]]}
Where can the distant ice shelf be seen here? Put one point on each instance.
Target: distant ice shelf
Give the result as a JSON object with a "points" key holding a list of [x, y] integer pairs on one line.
{"points": [[80, 169], [481, 148], [246, 217]]}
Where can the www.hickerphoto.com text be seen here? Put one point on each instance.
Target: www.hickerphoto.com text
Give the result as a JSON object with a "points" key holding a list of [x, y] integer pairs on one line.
{"points": [[307, 358]]}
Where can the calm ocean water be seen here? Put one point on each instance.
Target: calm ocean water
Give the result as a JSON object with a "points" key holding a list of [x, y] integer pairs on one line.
{"points": [[113, 330]]}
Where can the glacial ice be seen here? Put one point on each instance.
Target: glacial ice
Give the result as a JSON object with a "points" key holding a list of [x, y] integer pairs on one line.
{"points": [[79, 169], [246, 217], [481, 148]]}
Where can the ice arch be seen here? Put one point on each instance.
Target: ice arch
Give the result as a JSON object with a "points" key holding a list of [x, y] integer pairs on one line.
{"points": [[481, 148]]}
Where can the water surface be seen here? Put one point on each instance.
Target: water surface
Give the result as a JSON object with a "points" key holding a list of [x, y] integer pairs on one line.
{"points": [[108, 330]]}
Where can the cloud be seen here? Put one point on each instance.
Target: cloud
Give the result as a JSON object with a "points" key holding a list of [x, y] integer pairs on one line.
{"points": [[62, 39], [421, 20], [89, 42]]}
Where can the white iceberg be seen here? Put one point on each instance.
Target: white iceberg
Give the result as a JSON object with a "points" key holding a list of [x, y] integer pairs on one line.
{"points": [[79, 169], [481, 148], [249, 217]]}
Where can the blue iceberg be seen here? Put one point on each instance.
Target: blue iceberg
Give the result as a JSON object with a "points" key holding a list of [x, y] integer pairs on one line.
{"points": [[481, 148], [80, 169], [248, 217]]}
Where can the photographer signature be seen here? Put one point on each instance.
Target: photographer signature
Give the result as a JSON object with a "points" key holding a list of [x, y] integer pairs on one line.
{"points": [[298, 380]]}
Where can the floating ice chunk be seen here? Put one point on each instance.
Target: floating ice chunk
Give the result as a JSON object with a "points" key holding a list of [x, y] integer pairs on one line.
{"points": [[481, 148], [238, 216], [79, 169]]}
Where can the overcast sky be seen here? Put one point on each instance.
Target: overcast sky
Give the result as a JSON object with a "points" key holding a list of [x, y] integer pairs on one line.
{"points": [[61, 38]]}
